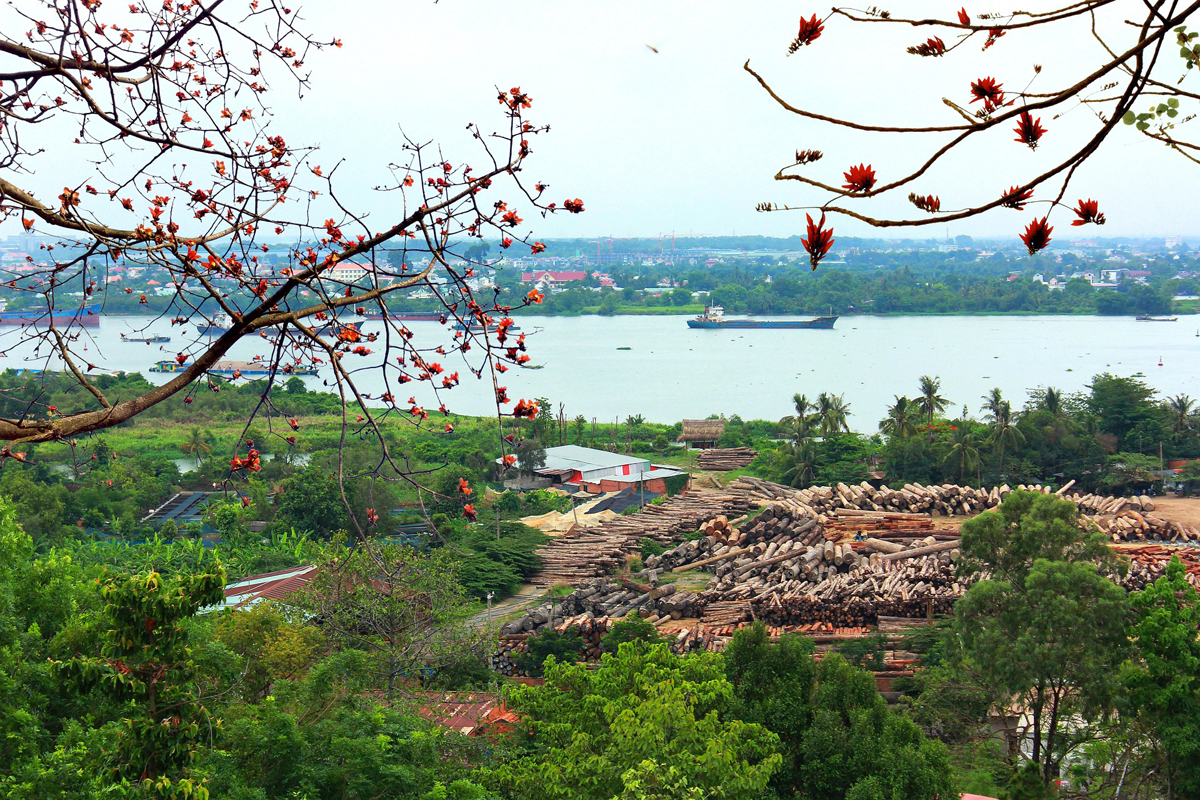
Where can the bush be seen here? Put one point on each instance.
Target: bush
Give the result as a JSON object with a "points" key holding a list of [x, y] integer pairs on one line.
{"points": [[565, 647], [631, 629], [649, 547]]}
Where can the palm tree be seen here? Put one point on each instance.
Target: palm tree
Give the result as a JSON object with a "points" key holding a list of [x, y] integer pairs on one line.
{"points": [[801, 458], [802, 424], [963, 453], [1181, 407], [898, 424], [832, 410], [991, 404], [199, 445], [1004, 432], [1052, 401], [929, 401]]}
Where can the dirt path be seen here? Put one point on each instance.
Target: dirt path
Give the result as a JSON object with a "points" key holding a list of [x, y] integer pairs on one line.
{"points": [[1185, 510], [510, 606]]}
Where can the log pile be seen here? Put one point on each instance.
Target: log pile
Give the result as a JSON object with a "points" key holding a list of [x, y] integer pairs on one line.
{"points": [[726, 459], [588, 553], [946, 499]]}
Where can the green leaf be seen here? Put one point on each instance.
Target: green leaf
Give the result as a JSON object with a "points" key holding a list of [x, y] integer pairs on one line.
{"points": [[1172, 112], [1141, 126], [1173, 102], [1128, 118]]}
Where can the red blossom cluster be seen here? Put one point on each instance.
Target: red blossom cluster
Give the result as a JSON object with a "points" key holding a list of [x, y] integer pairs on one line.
{"points": [[574, 206], [818, 241], [928, 203], [1088, 211], [933, 46], [1037, 236], [525, 408], [989, 91], [250, 462], [810, 30], [1016, 198], [1029, 130], [859, 179]]}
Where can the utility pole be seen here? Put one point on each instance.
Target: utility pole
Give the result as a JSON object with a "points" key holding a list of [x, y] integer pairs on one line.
{"points": [[490, 595]]}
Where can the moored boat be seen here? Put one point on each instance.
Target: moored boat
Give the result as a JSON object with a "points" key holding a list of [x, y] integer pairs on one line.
{"points": [[156, 339], [85, 316], [714, 317], [1148, 318], [221, 323]]}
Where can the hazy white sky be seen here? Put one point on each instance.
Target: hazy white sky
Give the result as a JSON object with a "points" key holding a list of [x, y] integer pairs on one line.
{"points": [[683, 140]]}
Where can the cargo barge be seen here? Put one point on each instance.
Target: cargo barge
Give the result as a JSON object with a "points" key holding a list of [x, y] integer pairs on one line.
{"points": [[714, 317]]}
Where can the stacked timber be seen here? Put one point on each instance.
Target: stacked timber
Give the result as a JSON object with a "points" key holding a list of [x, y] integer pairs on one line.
{"points": [[604, 599], [725, 459], [945, 499], [588, 553]]}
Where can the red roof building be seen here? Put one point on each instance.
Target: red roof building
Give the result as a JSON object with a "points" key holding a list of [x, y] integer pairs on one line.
{"points": [[277, 586]]}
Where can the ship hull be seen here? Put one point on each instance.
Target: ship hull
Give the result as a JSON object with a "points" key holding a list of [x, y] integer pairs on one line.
{"points": [[86, 318], [819, 323], [273, 333], [407, 316]]}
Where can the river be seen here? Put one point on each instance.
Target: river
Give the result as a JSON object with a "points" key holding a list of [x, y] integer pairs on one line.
{"points": [[612, 367]]}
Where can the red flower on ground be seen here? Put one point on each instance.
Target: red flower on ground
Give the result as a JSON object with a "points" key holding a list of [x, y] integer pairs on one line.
{"points": [[1015, 198], [819, 240], [1037, 235], [1088, 211], [989, 91], [860, 178], [1029, 130], [810, 30]]}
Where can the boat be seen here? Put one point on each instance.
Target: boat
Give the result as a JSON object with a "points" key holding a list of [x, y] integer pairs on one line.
{"points": [[221, 323], [85, 316], [714, 317], [475, 327], [407, 316], [1148, 318], [156, 339], [241, 369]]}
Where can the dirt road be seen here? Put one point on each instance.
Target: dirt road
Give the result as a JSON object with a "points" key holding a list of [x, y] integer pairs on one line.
{"points": [[1184, 510]]}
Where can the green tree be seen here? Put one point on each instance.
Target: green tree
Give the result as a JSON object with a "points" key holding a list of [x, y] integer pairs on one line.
{"points": [[929, 401], [589, 732], [631, 628], [899, 422], [963, 455], [199, 445], [146, 661], [1163, 682], [311, 502], [1004, 433], [832, 411], [1125, 409], [1048, 630]]}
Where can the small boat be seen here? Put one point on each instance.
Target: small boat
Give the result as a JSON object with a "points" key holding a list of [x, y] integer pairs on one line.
{"points": [[1148, 318], [85, 316], [156, 339], [714, 317]]}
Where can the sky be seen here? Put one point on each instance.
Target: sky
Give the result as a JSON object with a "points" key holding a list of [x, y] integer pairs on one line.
{"points": [[683, 140]]}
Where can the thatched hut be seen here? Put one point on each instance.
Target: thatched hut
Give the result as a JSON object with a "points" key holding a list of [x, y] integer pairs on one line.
{"points": [[701, 434]]}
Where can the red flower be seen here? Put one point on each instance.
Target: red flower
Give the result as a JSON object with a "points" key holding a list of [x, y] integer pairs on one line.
{"points": [[1037, 235], [810, 30], [819, 240], [993, 35], [1028, 130], [537, 247], [574, 206], [990, 92], [464, 488], [525, 408], [964, 17], [1088, 211], [859, 179], [469, 512], [928, 203], [932, 46], [1015, 198]]}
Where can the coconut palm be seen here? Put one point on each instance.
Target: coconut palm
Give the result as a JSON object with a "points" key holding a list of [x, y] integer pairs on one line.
{"points": [[1182, 407], [800, 458], [802, 425], [899, 424], [1052, 401], [1004, 432], [199, 444], [991, 404], [963, 454], [832, 410], [929, 401]]}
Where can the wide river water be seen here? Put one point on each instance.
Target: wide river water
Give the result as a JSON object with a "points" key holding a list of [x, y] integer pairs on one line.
{"points": [[606, 367]]}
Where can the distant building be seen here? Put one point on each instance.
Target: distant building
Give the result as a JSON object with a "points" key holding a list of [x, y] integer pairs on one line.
{"points": [[596, 471]]}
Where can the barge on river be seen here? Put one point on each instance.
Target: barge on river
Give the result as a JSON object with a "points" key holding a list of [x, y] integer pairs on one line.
{"points": [[239, 369], [714, 317]]}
